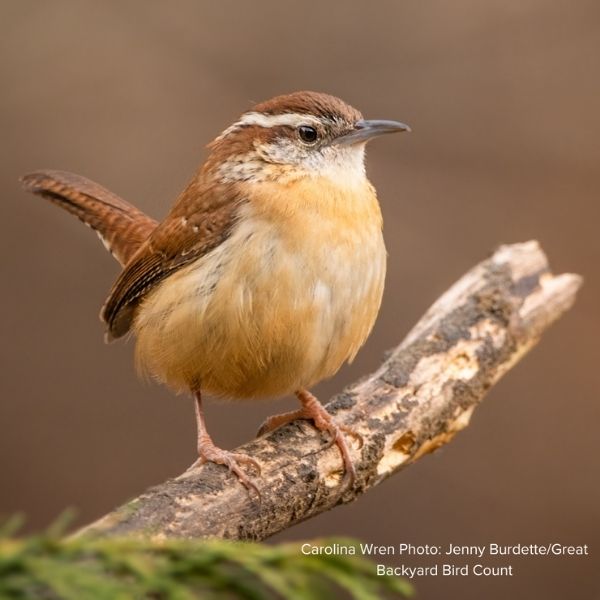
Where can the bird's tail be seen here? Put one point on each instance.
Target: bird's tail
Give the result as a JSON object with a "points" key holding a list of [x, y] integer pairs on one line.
{"points": [[121, 227]]}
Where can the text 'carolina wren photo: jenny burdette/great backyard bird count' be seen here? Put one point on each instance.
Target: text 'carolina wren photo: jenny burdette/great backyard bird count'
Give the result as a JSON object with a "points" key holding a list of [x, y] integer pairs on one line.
{"points": [[266, 275]]}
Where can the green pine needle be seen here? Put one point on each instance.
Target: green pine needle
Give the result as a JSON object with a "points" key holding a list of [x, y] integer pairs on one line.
{"points": [[46, 566]]}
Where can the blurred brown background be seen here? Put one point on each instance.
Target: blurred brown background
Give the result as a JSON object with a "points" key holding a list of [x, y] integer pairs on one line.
{"points": [[503, 97]]}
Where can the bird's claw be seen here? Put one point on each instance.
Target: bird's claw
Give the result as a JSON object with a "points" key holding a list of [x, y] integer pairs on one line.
{"points": [[231, 460]]}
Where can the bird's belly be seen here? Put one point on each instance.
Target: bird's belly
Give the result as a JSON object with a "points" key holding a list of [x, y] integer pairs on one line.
{"points": [[257, 317]]}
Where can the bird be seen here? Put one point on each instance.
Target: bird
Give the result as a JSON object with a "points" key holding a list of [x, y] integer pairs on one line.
{"points": [[267, 273]]}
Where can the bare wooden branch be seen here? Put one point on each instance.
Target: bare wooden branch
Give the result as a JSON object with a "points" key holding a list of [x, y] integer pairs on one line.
{"points": [[420, 397]]}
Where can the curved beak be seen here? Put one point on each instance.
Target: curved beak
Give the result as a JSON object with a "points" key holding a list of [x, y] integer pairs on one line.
{"points": [[365, 130]]}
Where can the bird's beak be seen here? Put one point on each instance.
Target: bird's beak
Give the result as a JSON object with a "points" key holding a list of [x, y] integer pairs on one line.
{"points": [[365, 130]]}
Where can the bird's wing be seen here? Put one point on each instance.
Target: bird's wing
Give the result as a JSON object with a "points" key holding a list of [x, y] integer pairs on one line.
{"points": [[200, 220], [121, 227]]}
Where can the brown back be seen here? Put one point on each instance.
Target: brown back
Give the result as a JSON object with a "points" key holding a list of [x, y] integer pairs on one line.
{"points": [[200, 220]]}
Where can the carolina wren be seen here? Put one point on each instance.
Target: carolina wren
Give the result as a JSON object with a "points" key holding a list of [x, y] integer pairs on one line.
{"points": [[268, 272]]}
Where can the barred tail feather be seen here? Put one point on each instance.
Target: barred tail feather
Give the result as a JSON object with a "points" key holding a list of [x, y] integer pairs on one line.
{"points": [[121, 227]]}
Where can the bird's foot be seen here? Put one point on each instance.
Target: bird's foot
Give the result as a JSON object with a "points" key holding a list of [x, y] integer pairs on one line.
{"points": [[313, 410], [208, 452]]}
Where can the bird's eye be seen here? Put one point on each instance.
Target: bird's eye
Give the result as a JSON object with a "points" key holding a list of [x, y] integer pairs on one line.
{"points": [[308, 134]]}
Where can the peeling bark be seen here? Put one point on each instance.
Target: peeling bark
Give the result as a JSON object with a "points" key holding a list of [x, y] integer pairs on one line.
{"points": [[418, 399]]}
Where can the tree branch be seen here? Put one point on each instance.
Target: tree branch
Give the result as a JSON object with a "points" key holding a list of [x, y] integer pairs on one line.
{"points": [[420, 397]]}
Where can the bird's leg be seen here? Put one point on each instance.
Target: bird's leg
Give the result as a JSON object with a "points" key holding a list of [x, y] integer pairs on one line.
{"points": [[314, 410], [208, 452]]}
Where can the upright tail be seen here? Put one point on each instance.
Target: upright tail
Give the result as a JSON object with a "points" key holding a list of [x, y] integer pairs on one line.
{"points": [[121, 227]]}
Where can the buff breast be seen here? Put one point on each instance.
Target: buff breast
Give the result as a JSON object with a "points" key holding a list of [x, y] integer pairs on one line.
{"points": [[281, 304]]}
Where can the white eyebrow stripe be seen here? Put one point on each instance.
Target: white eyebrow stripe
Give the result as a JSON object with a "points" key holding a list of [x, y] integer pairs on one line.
{"points": [[262, 120]]}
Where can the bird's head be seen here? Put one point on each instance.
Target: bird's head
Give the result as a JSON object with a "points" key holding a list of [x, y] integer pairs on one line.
{"points": [[296, 135]]}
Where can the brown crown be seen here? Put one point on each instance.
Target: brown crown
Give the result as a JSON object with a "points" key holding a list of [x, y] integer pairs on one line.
{"points": [[313, 103]]}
